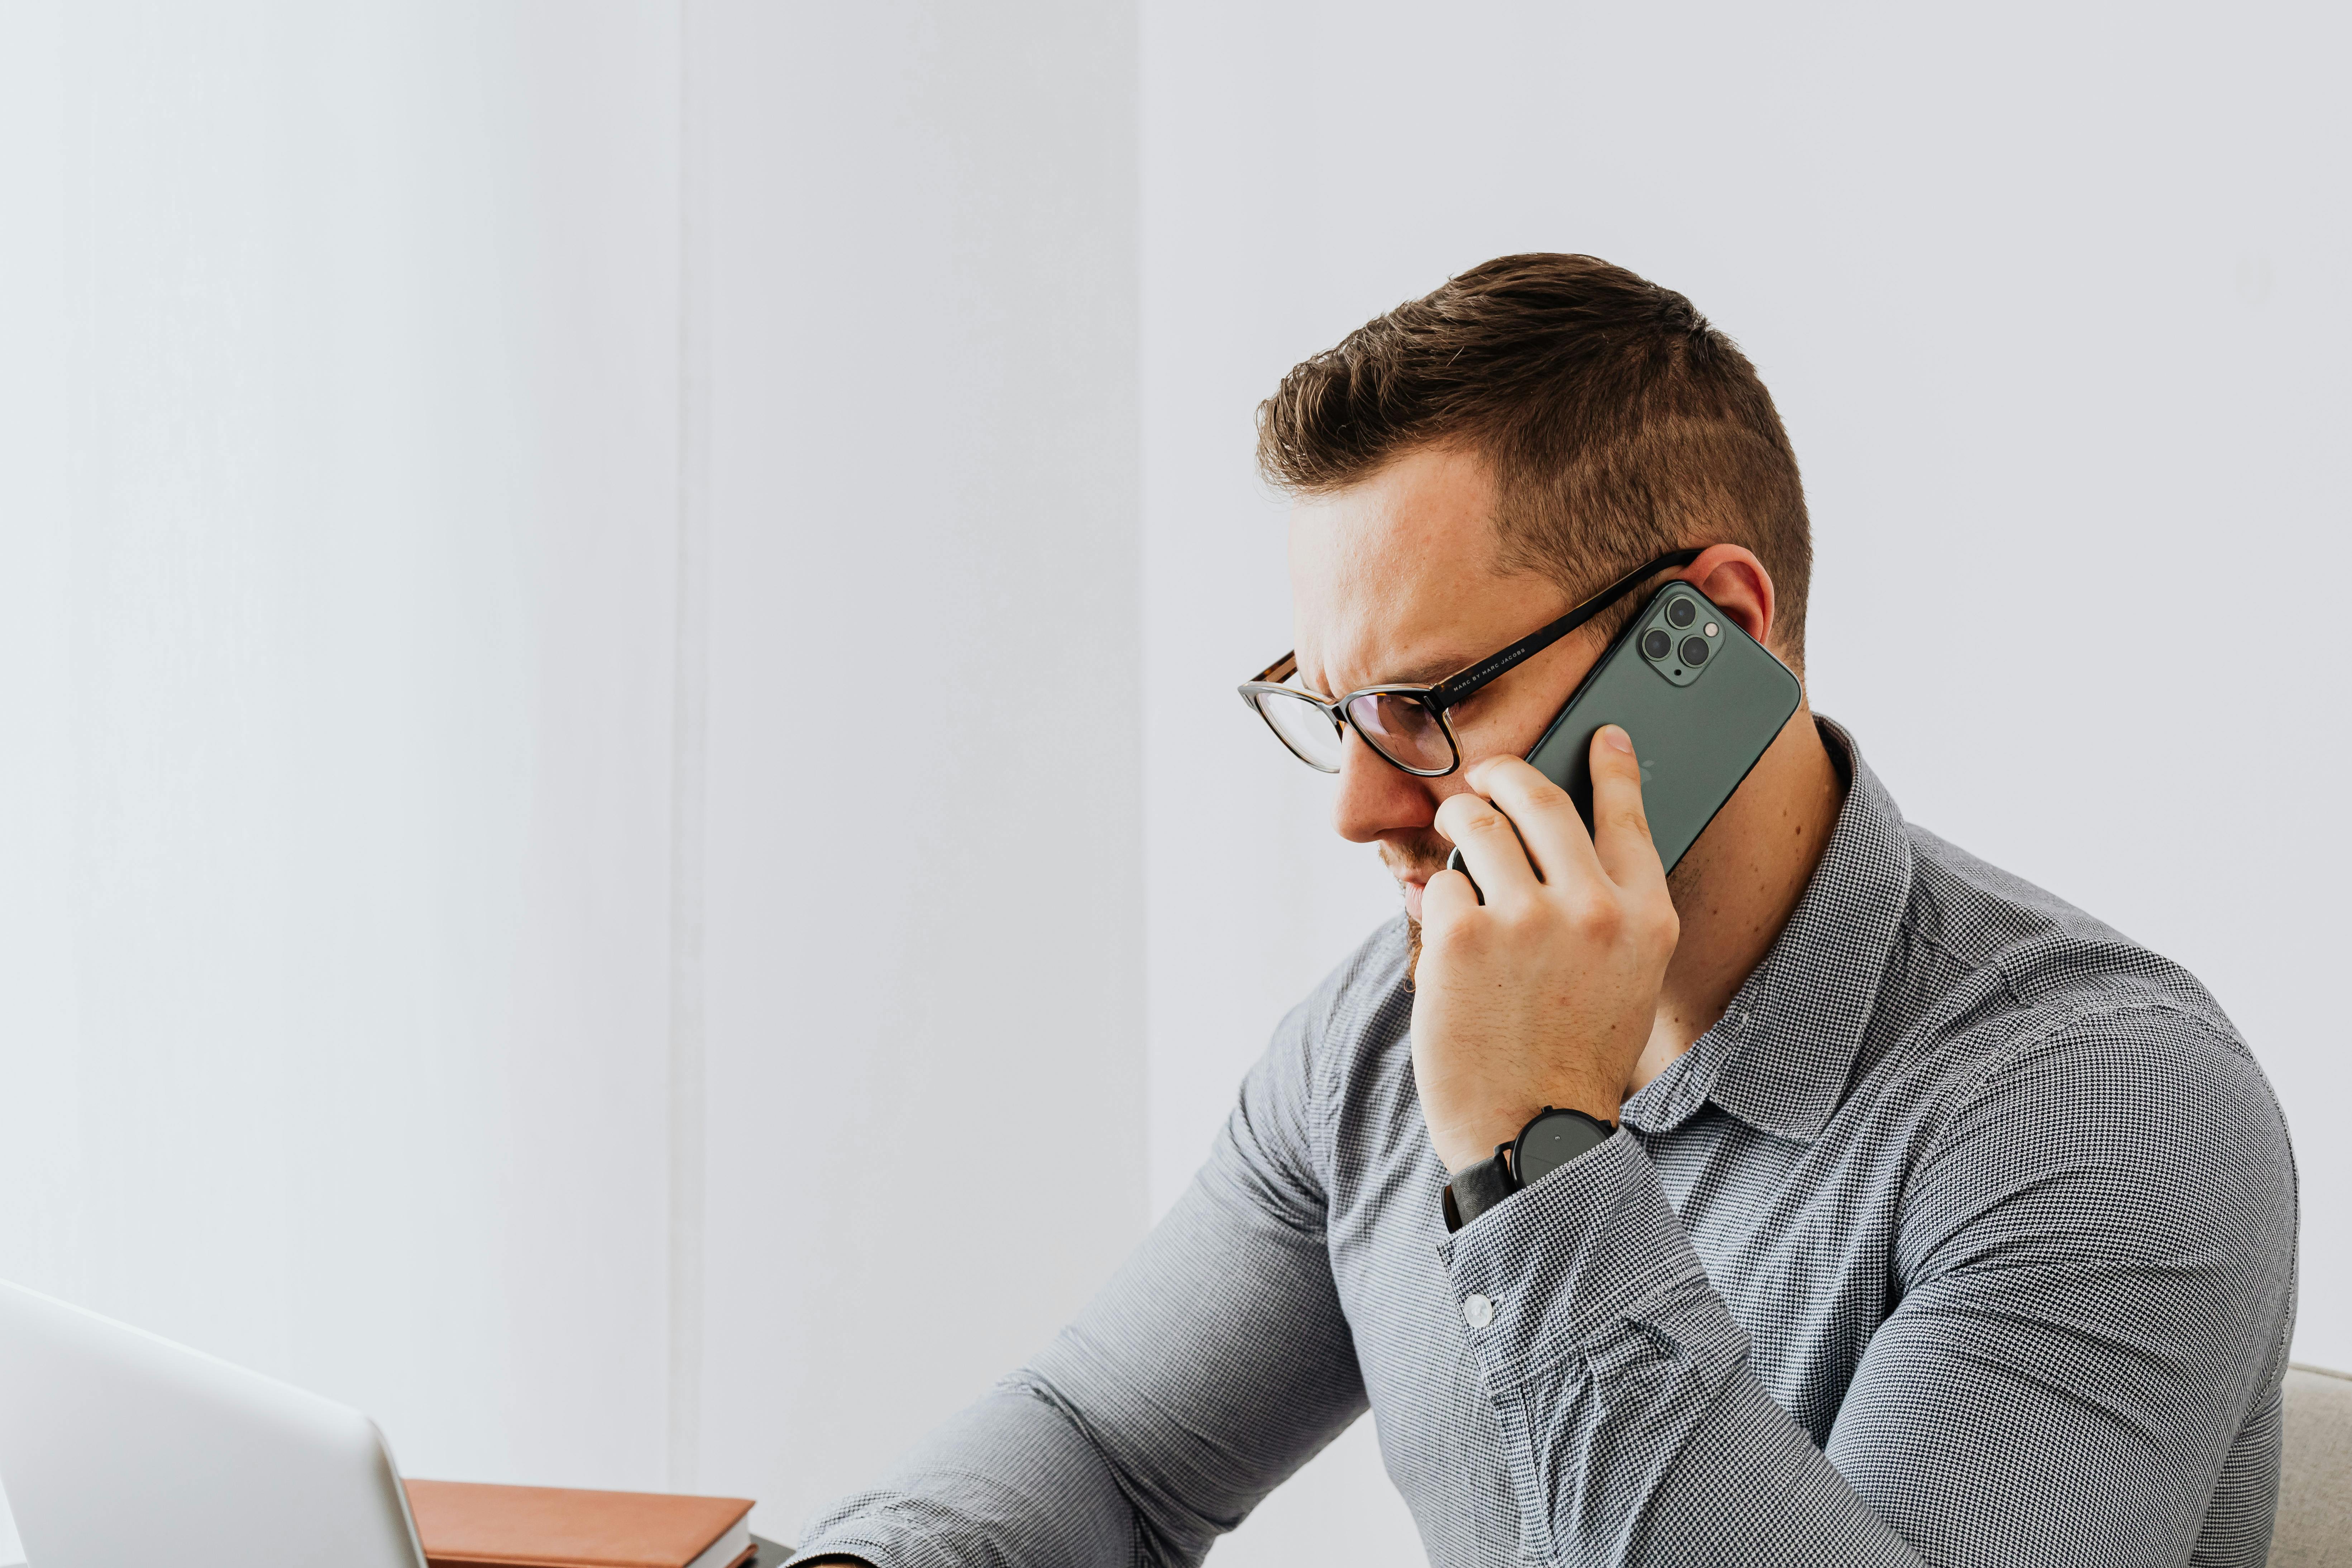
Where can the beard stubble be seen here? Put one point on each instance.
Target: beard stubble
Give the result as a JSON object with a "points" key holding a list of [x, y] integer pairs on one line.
{"points": [[1418, 857]]}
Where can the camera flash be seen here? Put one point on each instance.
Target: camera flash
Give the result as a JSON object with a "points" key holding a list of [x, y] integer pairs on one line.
{"points": [[1710, 629]]}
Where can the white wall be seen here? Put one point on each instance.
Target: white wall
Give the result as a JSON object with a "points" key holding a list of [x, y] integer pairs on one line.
{"points": [[366, 376], [372, 1011], [2050, 298], [916, 237], [334, 624]]}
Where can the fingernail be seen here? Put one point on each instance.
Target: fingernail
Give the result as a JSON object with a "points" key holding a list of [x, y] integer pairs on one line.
{"points": [[1615, 736]]}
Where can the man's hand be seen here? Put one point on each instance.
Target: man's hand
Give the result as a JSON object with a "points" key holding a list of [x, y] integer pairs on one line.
{"points": [[1544, 994]]}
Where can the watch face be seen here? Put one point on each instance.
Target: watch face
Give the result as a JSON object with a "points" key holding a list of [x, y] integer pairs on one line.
{"points": [[1552, 1141]]}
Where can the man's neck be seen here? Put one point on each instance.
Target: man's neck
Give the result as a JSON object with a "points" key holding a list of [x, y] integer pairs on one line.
{"points": [[1738, 884]]}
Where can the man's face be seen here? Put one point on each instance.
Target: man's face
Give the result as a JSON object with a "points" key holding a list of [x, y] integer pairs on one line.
{"points": [[1394, 580]]}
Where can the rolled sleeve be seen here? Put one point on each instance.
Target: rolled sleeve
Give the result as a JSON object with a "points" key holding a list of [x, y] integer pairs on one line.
{"points": [[1009, 1480], [1585, 1265], [1602, 1344]]}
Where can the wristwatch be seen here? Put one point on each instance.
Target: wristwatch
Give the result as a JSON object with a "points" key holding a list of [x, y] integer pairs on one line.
{"points": [[1543, 1146]]}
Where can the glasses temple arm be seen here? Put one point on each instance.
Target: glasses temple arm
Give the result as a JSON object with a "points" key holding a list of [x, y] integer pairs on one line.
{"points": [[1462, 683]]}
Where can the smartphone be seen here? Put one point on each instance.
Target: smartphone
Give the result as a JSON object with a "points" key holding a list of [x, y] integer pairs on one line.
{"points": [[1701, 698]]}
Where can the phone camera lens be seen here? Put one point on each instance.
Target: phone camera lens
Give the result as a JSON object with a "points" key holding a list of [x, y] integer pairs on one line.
{"points": [[1694, 651], [1656, 643], [1680, 613]]}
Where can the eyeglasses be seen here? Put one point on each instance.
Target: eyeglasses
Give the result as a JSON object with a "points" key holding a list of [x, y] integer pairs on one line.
{"points": [[1408, 725]]}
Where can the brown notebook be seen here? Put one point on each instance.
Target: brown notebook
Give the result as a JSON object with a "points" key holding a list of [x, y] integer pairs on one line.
{"points": [[464, 1525]]}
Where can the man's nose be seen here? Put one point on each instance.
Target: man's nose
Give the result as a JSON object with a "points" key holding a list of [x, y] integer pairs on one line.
{"points": [[1374, 798]]}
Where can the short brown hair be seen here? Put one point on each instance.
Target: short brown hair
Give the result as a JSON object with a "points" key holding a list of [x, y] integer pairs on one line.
{"points": [[1619, 424]]}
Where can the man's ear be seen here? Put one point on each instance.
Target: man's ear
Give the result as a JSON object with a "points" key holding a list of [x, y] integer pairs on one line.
{"points": [[1740, 587]]}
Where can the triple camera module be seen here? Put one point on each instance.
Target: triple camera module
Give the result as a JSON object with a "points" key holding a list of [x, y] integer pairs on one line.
{"points": [[1679, 658]]}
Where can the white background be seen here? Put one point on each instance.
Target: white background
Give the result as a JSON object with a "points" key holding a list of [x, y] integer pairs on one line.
{"points": [[375, 1006], [623, 832]]}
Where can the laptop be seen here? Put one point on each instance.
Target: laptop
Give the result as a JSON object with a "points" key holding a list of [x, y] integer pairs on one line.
{"points": [[118, 1448]]}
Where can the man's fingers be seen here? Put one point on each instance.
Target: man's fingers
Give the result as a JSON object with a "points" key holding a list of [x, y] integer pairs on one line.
{"points": [[1528, 831], [1620, 830], [1445, 898], [1488, 846], [1544, 814]]}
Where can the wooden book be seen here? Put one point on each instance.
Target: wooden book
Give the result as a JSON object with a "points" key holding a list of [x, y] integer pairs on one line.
{"points": [[465, 1525]]}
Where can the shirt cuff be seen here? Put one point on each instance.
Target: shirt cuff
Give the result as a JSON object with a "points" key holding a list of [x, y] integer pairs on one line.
{"points": [[1590, 1269], [879, 1550]]}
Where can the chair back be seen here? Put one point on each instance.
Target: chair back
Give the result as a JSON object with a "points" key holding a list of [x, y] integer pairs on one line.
{"points": [[2315, 1501]]}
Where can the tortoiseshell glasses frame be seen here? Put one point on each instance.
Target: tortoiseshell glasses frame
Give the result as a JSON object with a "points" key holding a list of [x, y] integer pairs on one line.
{"points": [[1408, 727]]}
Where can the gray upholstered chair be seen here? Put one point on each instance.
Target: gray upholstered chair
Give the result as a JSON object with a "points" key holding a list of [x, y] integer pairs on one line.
{"points": [[2314, 1505]]}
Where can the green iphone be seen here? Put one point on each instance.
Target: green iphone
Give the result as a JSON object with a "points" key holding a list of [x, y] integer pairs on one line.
{"points": [[1701, 698]]}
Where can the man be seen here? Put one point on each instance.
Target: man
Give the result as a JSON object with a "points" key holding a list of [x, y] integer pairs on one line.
{"points": [[1920, 1216]]}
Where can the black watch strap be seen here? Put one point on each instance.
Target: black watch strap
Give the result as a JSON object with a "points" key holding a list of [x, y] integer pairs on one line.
{"points": [[1546, 1143], [1477, 1188]]}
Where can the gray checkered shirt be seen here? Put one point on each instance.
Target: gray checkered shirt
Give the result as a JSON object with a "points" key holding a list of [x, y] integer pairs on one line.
{"points": [[1966, 1237]]}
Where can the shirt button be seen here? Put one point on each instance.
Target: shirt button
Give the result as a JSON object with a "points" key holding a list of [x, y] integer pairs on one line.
{"points": [[1478, 1311]]}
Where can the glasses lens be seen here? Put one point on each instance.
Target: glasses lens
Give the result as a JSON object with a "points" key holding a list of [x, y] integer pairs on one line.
{"points": [[1402, 729], [1305, 727]]}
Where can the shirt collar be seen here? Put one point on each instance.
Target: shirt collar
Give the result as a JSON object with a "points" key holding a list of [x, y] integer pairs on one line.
{"points": [[1780, 1056]]}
